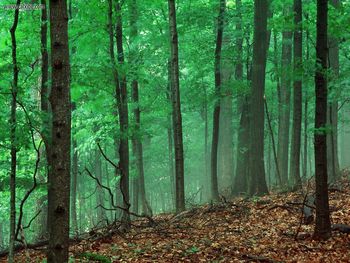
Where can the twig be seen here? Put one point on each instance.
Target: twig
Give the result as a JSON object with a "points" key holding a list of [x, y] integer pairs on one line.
{"points": [[31, 220], [106, 158]]}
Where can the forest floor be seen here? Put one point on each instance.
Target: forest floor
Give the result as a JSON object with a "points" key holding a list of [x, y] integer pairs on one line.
{"points": [[266, 229]]}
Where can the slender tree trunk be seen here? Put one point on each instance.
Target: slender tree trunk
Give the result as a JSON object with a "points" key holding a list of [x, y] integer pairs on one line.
{"points": [[122, 108], [284, 103], [306, 109], [323, 224], [137, 112], [177, 119], [258, 182], [297, 100], [217, 108], [242, 170], [122, 102], [170, 140], [13, 123]]}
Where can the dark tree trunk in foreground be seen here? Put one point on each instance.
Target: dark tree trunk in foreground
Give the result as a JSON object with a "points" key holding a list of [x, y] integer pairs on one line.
{"points": [[176, 105], [323, 224], [216, 114], [13, 123], [138, 147], [297, 100], [122, 102], [256, 164], [59, 179], [284, 103]]}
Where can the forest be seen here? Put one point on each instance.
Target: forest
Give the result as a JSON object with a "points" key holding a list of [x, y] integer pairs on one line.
{"points": [[174, 131]]}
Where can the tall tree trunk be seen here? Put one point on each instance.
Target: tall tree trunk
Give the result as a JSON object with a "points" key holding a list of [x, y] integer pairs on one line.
{"points": [[284, 103], [122, 102], [306, 109], [297, 100], [258, 182], [170, 140], [332, 114], [323, 224], [177, 119], [137, 112], [217, 108], [59, 179], [13, 123], [242, 171]]}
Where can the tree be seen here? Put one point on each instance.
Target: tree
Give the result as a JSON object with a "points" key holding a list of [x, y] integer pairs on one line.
{"points": [[137, 142], [323, 224], [217, 108], [226, 131], [13, 123], [242, 172], [122, 105], [59, 178], [284, 99], [176, 106], [297, 100], [258, 182]]}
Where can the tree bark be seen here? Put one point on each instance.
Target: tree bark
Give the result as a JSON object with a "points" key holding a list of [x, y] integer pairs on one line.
{"points": [[258, 182], [217, 108], [146, 209], [297, 100], [176, 105], [13, 124], [242, 170], [59, 179], [323, 225]]}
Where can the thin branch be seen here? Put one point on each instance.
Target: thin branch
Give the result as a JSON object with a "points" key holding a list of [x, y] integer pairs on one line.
{"points": [[101, 185], [31, 220], [106, 158]]}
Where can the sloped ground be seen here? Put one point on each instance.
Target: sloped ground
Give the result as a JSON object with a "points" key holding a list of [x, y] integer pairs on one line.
{"points": [[267, 229]]}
